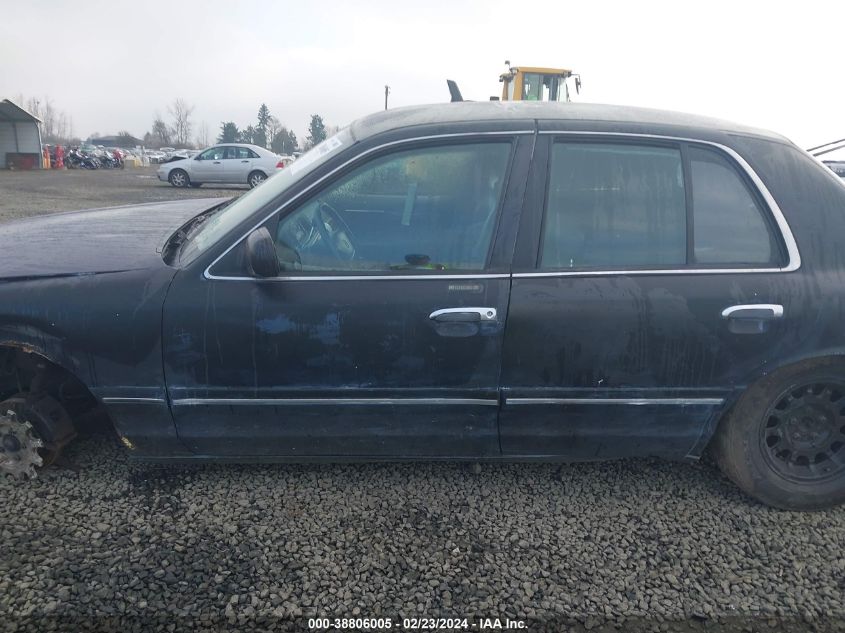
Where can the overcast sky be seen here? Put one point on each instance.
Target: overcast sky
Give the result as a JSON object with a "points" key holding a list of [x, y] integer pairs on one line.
{"points": [[112, 65]]}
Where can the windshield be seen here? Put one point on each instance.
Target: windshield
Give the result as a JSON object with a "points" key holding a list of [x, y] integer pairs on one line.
{"points": [[221, 222]]}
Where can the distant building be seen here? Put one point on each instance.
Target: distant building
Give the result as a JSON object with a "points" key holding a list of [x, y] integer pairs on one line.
{"points": [[20, 137], [120, 140]]}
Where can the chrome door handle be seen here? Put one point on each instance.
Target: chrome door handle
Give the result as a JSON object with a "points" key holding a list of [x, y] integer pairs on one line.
{"points": [[453, 315], [754, 311]]}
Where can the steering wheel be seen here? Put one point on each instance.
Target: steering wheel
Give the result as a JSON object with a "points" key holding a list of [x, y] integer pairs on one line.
{"points": [[339, 238]]}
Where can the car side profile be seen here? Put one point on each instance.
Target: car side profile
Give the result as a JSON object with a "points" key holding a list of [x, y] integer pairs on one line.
{"points": [[229, 163], [470, 281]]}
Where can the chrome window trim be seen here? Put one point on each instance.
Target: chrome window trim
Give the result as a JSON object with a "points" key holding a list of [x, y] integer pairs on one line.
{"points": [[208, 275], [794, 256], [626, 401], [369, 277], [333, 401]]}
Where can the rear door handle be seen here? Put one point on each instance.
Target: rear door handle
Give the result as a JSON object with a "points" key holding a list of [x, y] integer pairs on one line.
{"points": [[752, 318], [754, 311], [217, 162], [463, 315], [244, 161]]}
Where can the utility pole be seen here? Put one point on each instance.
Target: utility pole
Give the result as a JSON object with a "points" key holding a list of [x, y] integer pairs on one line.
{"points": [[386, 92]]}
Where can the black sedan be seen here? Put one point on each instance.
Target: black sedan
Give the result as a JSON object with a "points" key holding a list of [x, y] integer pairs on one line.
{"points": [[474, 281]]}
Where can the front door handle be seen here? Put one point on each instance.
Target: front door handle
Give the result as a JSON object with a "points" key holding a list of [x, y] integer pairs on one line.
{"points": [[217, 162], [463, 315], [244, 161], [752, 318]]}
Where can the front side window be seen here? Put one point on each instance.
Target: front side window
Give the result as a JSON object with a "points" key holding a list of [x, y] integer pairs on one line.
{"points": [[424, 209], [614, 205], [729, 225], [215, 153]]}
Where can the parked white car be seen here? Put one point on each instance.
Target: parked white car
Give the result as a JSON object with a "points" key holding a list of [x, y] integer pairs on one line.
{"points": [[234, 163]]}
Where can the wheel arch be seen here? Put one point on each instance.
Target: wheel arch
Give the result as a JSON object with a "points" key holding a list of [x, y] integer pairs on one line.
{"points": [[804, 362], [26, 366]]}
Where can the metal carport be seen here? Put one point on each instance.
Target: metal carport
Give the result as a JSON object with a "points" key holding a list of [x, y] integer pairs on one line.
{"points": [[19, 133]]}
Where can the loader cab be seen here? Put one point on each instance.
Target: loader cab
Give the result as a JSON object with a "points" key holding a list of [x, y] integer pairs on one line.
{"points": [[526, 83]]}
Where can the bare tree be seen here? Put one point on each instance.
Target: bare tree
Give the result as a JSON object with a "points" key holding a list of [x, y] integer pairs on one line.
{"points": [[274, 126], [161, 132], [181, 113], [202, 135], [48, 119]]}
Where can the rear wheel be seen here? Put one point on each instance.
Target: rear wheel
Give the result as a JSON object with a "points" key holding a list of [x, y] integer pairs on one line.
{"points": [[34, 428], [179, 178], [784, 442], [256, 178]]}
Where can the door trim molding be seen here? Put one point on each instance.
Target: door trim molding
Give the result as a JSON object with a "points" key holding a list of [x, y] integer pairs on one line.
{"points": [[188, 402], [625, 401], [121, 400]]}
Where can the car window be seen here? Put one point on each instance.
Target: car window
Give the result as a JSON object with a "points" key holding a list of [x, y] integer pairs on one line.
{"points": [[728, 222], [244, 152], [230, 153], [222, 222], [431, 208], [614, 205], [215, 153]]}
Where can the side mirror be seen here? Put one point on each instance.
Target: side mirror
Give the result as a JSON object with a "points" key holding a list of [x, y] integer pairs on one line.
{"points": [[261, 254]]}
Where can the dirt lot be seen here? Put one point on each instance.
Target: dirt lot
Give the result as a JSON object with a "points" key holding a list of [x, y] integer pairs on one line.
{"points": [[26, 193], [103, 543]]}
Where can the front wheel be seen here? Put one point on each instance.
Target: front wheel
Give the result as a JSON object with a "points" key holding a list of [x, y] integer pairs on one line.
{"points": [[34, 427], [784, 441], [179, 178], [256, 178]]}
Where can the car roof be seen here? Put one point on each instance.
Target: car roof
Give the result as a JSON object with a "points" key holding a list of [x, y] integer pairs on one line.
{"points": [[478, 111]]}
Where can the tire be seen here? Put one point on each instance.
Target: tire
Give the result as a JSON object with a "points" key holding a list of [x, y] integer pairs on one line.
{"points": [[783, 443], [196, 185], [49, 420], [179, 178], [255, 178]]}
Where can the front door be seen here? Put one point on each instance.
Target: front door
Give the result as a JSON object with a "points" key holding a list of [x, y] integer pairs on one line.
{"points": [[209, 166], [651, 279], [383, 335]]}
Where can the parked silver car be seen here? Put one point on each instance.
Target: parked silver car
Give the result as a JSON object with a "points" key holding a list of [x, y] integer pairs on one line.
{"points": [[235, 163]]}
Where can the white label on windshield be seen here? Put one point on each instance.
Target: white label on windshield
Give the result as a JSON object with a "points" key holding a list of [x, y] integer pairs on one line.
{"points": [[326, 147]]}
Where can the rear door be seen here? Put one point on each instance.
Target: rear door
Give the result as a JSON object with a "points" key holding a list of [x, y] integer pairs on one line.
{"points": [[240, 165], [383, 335], [652, 276]]}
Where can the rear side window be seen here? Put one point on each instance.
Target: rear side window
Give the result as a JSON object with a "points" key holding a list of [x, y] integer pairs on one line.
{"points": [[614, 205], [729, 226], [619, 206]]}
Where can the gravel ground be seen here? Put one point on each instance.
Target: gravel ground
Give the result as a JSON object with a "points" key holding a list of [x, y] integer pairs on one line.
{"points": [[102, 540], [103, 543]]}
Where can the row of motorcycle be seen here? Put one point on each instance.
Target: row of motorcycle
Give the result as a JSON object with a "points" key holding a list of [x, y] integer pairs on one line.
{"points": [[77, 158]]}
